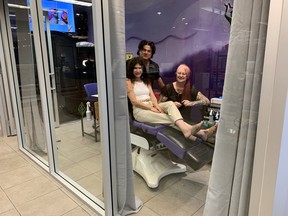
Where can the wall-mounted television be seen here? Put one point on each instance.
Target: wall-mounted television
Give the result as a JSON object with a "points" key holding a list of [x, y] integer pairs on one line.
{"points": [[60, 15]]}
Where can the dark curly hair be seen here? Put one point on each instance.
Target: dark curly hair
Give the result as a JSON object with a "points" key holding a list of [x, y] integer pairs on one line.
{"points": [[130, 70], [149, 43]]}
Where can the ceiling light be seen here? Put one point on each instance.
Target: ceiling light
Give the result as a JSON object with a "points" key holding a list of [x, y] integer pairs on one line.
{"points": [[213, 10], [82, 3], [159, 12], [18, 6]]}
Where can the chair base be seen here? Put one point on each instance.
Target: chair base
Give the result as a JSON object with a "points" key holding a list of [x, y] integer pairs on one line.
{"points": [[152, 166]]}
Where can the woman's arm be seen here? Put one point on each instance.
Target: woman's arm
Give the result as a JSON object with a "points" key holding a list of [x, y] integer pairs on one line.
{"points": [[133, 99], [200, 100], [164, 99]]}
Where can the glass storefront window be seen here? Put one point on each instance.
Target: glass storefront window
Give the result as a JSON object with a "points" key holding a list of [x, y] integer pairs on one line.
{"points": [[187, 32], [54, 101], [59, 118], [34, 136]]}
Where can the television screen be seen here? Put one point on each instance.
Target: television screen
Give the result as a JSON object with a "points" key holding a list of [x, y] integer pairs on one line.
{"points": [[60, 15]]}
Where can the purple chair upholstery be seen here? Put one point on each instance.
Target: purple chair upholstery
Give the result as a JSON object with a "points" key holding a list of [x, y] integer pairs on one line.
{"points": [[91, 89], [195, 154]]}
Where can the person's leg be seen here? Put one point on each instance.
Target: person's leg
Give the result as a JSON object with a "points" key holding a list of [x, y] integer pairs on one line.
{"points": [[170, 116], [189, 130], [173, 118], [148, 116], [172, 111], [205, 134]]}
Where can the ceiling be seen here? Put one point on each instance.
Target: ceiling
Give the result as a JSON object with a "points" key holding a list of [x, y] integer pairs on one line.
{"points": [[142, 19]]}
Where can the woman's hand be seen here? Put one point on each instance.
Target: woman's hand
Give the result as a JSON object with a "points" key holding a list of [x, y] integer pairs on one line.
{"points": [[188, 103], [194, 103], [178, 105], [154, 109], [157, 109]]}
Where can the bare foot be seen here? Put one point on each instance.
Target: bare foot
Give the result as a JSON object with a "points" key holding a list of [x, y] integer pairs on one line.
{"points": [[213, 129], [207, 133], [192, 130], [195, 128], [202, 134]]}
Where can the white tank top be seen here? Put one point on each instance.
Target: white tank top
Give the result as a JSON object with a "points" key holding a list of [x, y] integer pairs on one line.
{"points": [[141, 91]]}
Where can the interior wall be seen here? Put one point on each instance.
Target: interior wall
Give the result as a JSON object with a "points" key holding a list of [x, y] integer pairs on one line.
{"points": [[194, 32], [280, 206], [270, 131]]}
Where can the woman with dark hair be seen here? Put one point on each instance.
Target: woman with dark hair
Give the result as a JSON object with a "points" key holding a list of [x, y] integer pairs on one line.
{"points": [[146, 108]]}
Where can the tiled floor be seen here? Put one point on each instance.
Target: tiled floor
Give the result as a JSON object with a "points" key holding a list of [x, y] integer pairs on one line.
{"points": [[26, 189]]}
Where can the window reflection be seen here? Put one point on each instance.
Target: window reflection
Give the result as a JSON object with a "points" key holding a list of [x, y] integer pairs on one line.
{"points": [[70, 42], [34, 132], [79, 148]]}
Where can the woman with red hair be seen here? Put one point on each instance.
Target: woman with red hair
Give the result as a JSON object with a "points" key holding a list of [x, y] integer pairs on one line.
{"points": [[181, 92], [184, 95]]}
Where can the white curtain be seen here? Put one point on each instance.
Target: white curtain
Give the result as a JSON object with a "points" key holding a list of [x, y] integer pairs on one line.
{"points": [[231, 172], [126, 201]]}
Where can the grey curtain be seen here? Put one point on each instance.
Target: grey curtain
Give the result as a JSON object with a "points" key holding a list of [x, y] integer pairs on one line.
{"points": [[126, 201], [231, 172]]}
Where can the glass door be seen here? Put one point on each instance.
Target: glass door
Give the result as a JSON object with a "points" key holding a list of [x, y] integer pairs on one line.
{"points": [[72, 84], [3, 129], [54, 59], [27, 80], [7, 121]]}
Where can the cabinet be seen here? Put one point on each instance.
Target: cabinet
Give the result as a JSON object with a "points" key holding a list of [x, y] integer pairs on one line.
{"points": [[69, 73]]}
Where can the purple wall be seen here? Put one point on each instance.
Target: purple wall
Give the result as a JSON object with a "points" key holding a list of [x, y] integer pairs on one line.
{"points": [[200, 40]]}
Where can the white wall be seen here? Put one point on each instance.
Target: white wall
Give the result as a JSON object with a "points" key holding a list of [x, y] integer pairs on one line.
{"points": [[281, 193], [268, 173]]}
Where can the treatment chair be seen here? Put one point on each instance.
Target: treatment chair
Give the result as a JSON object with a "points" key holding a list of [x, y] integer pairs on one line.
{"points": [[148, 161]]}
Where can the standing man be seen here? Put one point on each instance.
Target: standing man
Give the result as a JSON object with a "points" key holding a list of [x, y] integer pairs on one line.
{"points": [[146, 50]]}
